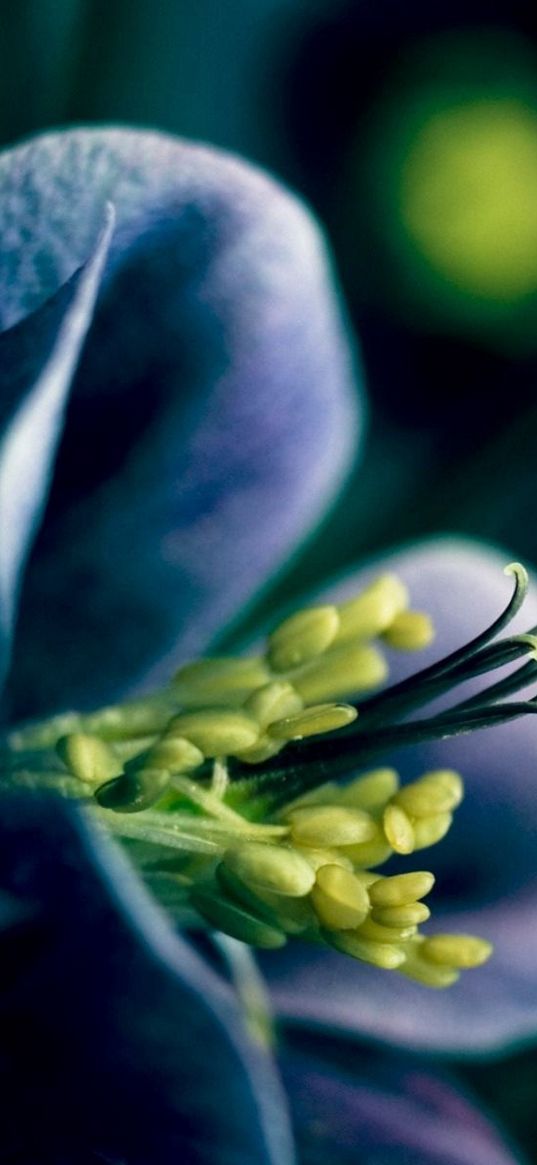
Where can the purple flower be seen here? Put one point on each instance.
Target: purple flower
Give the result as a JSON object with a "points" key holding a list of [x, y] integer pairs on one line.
{"points": [[182, 362]]}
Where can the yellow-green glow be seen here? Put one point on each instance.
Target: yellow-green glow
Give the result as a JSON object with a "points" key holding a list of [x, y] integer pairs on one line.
{"points": [[468, 197]]}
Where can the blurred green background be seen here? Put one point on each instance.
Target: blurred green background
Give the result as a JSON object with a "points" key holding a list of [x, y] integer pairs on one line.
{"points": [[412, 129]]}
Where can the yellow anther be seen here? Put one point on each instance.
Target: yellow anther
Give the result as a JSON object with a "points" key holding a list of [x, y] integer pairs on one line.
{"points": [[236, 920], [450, 779], [374, 932], [366, 877], [88, 758], [219, 682], [456, 950], [215, 732], [263, 749], [434, 793], [174, 753], [313, 721], [327, 825], [370, 853], [327, 794], [340, 900], [324, 857], [342, 671], [292, 915], [409, 915], [272, 702], [371, 612], [127, 750], [410, 631], [421, 971], [379, 954], [133, 791], [401, 889], [398, 829], [429, 830], [302, 637], [371, 790], [271, 867]]}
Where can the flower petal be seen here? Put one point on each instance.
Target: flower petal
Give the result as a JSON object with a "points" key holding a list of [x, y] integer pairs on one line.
{"points": [[213, 417], [383, 1109], [116, 1037], [485, 867], [38, 359]]}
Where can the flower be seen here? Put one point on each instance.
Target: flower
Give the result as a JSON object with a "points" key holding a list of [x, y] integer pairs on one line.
{"points": [[122, 1041]]}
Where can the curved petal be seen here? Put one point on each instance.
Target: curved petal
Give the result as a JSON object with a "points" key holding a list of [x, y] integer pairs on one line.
{"points": [[38, 359], [213, 416], [485, 867], [380, 1109], [116, 1037]]}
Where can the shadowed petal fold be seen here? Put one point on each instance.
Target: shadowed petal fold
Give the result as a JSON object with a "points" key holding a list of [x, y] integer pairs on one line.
{"points": [[213, 416], [38, 359], [116, 1037]]}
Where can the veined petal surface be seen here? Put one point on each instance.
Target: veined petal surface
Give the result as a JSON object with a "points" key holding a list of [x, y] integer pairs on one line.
{"points": [[213, 416]]}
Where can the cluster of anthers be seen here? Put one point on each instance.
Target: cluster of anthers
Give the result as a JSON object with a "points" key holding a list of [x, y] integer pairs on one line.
{"points": [[222, 786]]}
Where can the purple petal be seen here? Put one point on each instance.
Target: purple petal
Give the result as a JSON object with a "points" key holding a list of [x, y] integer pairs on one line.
{"points": [[384, 1110], [485, 867], [213, 416], [37, 362], [116, 1038]]}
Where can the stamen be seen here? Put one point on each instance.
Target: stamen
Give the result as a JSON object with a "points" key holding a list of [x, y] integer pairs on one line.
{"points": [[340, 900], [374, 610], [263, 849], [302, 637], [409, 915], [220, 682], [401, 889], [456, 950], [410, 631], [385, 955], [435, 792], [271, 867], [88, 758], [273, 701], [313, 721], [371, 791], [236, 920], [398, 829], [330, 825], [216, 733], [353, 667]]}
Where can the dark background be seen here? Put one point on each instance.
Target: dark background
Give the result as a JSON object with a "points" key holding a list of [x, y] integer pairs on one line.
{"points": [[382, 115]]}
